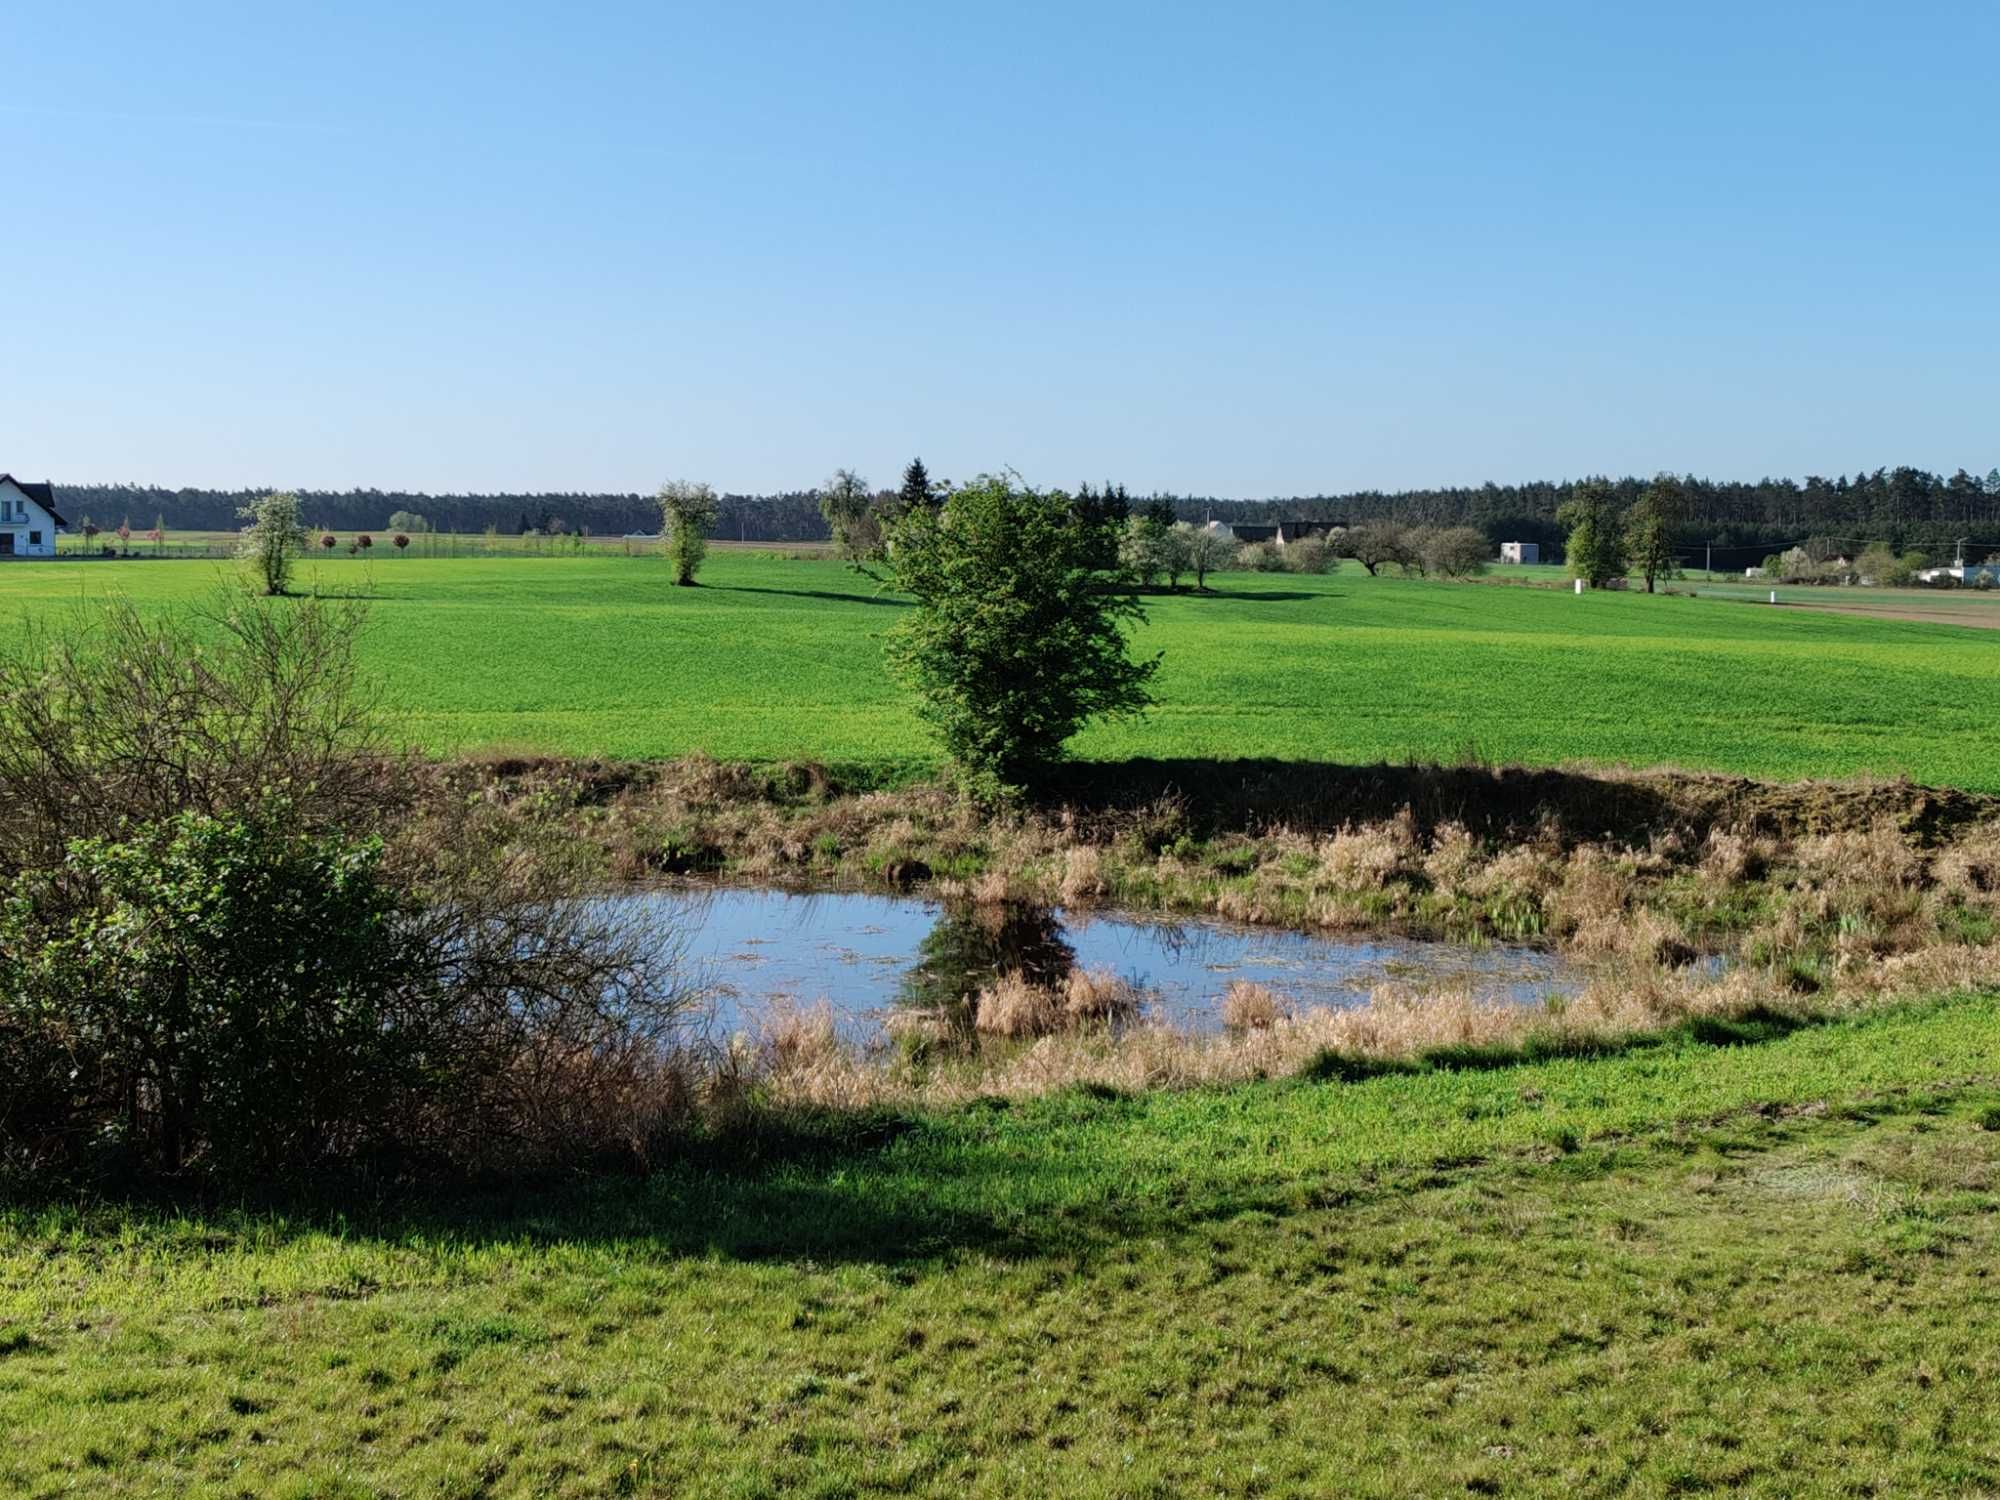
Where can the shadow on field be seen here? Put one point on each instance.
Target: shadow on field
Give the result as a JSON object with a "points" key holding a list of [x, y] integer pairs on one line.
{"points": [[1253, 596], [993, 1178], [1506, 803], [875, 599]]}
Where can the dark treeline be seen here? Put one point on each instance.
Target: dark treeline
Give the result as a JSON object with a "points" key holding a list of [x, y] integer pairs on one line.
{"points": [[756, 518], [1905, 507]]}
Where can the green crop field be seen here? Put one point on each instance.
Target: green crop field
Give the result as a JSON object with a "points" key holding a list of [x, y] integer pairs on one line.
{"points": [[1762, 1267], [780, 658]]}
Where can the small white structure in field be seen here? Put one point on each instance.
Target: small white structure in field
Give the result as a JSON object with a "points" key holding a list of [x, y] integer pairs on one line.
{"points": [[1520, 552], [28, 519]]}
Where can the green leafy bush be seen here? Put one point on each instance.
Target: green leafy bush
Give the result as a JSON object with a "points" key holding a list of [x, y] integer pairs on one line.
{"points": [[1018, 635]]}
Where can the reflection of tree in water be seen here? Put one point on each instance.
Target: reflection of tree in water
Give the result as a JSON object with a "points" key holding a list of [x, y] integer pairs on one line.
{"points": [[972, 945]]}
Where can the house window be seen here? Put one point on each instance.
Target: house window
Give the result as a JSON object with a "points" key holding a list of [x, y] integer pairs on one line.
{"points": [[34, 539]]}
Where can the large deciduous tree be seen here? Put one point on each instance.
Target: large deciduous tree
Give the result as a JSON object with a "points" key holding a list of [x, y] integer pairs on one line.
{"points": [[1596, 545], [1650, 526], [1018, 635]]}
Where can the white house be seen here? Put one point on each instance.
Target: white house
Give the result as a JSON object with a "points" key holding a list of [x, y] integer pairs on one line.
{"points": [[1520, 552], [28, 519]]}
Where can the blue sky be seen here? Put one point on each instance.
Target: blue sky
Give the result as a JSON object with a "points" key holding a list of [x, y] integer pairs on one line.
{"points": [[1241, 250]]}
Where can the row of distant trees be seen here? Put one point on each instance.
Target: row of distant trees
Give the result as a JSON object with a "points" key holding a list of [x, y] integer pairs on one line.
{"points": [[1905, 508]]}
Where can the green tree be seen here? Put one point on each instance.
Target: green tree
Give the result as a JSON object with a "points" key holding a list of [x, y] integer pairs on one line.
{"points": [[1456, 551], [687, 515], [272, 540], [1017, 638], [1650, 526], [1596, 545], [848, 506], [408, 521], [918, 489], [1209, 551]]}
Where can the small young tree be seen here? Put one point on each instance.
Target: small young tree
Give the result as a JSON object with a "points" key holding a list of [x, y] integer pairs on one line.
{"points": [[273, 537], [848, 507], [1146, 551], [400, 540], [687, 515], [158, 535], [1596, 545], [1176, 555], [125, 536], [1649, 528], [1017, 638], [364, 541], [1209, 551]]}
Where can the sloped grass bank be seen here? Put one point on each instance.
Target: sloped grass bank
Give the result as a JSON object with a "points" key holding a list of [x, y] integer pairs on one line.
{"points": [[1747, 1259]]}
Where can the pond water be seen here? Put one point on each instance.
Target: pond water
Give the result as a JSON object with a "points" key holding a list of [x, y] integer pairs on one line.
{"points": [[865, 955]]}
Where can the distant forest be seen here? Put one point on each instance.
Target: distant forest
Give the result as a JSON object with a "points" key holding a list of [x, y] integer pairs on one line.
{"points": [[1742, 521]]}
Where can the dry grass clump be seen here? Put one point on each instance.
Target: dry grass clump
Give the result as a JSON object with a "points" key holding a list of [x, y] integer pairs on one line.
{"points": [[1247, 1006], [797, 1038], [1526, 872], [1083, 875], [1364, 857], [1098, 997], [1014, 1007], [1644, 936], [1592, 895], [1731, 857], [1454, 855], [1970, 867]]}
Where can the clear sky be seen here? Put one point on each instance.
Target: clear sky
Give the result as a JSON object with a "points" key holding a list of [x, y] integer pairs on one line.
{"points": [[1232, 249]]}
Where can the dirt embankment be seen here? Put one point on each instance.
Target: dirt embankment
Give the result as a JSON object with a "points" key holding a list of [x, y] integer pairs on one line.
{"points": [[1214, 797]]}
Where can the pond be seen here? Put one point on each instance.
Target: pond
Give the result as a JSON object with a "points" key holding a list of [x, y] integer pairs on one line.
{"points": [[866, 955]]}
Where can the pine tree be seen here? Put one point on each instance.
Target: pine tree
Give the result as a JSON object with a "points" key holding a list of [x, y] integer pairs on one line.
{"points": [[917, 488]]}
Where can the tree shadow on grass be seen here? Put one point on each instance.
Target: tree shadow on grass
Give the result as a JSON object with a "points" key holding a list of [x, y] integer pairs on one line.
{"points": [[877, 1188], [1504, 803], [880, 600], [1254, 596]]}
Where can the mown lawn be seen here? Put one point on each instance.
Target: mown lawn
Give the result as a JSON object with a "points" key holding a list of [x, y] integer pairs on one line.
{"points": [[776, 659], [1756, 1261]]}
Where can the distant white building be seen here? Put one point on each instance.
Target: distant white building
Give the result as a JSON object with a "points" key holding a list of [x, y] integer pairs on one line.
{"points": [[28, 519], [1520, 552], [1969, 574]]}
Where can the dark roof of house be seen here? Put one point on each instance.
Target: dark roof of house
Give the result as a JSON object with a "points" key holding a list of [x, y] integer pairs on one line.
{"points": [[43, 494], [1251, 532]]}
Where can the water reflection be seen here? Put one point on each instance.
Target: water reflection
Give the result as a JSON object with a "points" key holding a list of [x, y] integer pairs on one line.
{"points": [[971, 945], [868, 956]]}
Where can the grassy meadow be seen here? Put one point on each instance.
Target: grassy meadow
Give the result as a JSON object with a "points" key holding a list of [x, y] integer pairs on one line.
{"points": [[1749, 1252], [1749, 1258], [779, 658]]}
